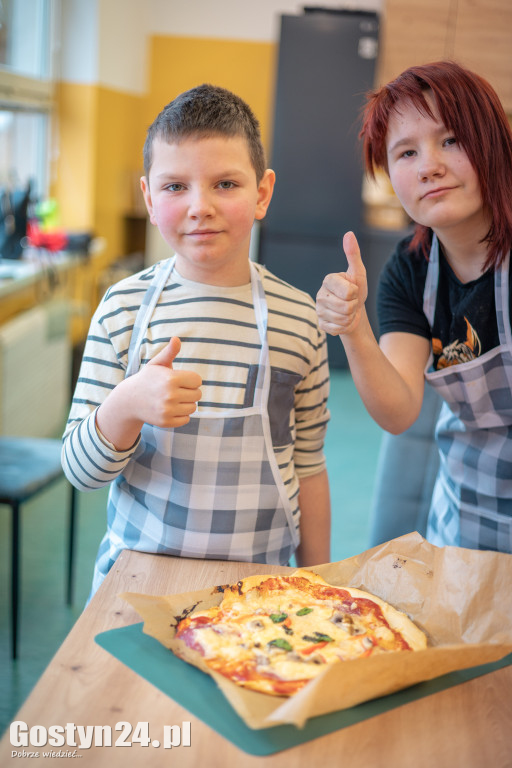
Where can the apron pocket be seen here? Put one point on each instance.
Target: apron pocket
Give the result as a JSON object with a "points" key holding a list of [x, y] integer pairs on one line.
{"points": [[281, 400]]}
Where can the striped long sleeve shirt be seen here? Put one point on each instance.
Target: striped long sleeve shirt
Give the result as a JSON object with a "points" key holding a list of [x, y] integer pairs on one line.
{"points": [[219, 338]]}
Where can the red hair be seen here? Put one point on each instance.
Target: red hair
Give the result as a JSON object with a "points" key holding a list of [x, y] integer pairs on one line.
{"points": [[468, 106]]}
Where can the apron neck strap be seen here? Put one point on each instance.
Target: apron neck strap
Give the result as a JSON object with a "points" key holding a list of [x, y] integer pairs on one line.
{"points": [[150, 300]]}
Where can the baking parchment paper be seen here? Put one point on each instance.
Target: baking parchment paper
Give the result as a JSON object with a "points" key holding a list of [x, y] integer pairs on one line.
{"points": [[461, 598]]}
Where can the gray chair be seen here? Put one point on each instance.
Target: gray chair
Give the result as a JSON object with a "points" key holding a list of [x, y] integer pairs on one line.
{"points": [[406, 472], [29, 465]]}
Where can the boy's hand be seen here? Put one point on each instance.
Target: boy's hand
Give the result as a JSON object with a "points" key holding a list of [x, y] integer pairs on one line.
{"points": [[168, 396], [341, 298]]}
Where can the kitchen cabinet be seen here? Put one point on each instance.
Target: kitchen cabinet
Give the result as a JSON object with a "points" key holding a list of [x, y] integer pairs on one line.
{"points": [[476, 33]]}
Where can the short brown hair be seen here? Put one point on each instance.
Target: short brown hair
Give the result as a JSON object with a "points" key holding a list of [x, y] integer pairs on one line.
{"points": [[207, 110]]}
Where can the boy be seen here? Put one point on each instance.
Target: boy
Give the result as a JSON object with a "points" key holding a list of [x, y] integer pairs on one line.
{"points": [[203, 387]]}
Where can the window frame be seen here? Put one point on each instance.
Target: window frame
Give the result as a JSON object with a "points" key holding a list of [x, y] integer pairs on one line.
{"points": [[18, 92]]}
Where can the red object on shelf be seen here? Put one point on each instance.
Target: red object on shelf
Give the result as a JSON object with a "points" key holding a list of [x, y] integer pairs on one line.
{"points": [[55, 240]]}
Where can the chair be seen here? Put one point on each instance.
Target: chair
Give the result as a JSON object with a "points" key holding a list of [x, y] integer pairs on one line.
{"points": [[28, 465]]}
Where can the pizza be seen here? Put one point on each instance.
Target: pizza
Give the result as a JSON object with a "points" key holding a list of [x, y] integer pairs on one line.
{"points": [[273, 634]]}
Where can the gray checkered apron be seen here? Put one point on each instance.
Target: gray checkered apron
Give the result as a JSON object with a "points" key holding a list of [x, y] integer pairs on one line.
{"points": [[210, 489], [472, 498]]}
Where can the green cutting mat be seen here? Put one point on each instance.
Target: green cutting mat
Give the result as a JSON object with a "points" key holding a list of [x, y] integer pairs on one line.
{"points": [[198, 693]]}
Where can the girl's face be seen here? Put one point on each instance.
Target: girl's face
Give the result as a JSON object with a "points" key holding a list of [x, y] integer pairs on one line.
{"points": [[432, 175]]}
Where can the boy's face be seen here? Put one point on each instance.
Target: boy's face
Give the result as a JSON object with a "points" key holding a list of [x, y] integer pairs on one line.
{"points": [[203, 196]]}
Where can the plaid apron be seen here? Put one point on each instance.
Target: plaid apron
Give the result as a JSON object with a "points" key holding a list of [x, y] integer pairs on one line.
{"points": [[210, 489], [472, 498]]}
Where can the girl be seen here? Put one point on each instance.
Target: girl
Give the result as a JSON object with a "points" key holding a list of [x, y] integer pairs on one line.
{"points": [[441, 134]]}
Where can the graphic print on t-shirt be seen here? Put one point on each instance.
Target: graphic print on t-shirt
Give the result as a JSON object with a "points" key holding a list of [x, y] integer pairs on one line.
{"points": [[458, 351]]}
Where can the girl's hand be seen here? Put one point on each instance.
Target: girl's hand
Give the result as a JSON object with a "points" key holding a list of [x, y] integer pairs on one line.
{"points": [[341, 298]]}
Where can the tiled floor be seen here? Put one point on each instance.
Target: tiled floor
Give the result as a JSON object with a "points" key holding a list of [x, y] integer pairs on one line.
{"points": [[45, 619]]}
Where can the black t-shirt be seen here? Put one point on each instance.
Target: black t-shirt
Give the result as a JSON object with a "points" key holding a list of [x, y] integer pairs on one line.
{"points": [[465, 323]]}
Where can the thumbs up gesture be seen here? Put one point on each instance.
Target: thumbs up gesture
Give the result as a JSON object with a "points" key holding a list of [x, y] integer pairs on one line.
{"points": [[166, 355], [158, 394], [340, 300], [167, 396]]}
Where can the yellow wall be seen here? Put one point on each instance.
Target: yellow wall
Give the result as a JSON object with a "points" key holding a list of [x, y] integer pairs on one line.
{"points": [[75, 151], [247, 68], [118, 162], [99, 136]]}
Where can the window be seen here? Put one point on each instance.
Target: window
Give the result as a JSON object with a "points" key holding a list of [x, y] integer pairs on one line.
{"points": [[25, 37], [24, 150], [26, 90]]}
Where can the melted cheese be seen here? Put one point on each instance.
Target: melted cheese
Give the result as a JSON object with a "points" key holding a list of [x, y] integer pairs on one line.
{"points": [[281, 632]]}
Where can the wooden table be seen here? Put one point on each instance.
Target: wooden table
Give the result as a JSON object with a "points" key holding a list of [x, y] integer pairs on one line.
{"points": [[468, 725]]}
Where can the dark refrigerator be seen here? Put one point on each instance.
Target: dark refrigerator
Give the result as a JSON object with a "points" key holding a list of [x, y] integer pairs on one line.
{"points": [[326, 64]]}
